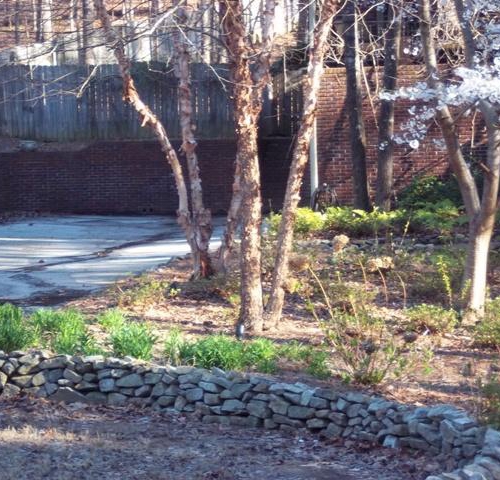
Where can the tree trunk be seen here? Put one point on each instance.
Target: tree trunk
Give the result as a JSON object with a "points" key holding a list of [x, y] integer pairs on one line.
{"points": [[247, 91], [85, 53], [354, 102], [201, 221], [300, 157], [385, 161], [232, 220], [481, 213], [130, 95]]}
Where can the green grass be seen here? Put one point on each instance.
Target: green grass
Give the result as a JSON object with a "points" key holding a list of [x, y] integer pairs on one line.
{"points": [[16, 332], [133, 339]]}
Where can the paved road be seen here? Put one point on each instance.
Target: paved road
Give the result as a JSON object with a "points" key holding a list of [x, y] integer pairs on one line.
{"points": [[63, 256]]}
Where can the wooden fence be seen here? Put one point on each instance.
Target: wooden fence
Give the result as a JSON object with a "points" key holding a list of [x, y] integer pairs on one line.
{"points": [[68, 103]]}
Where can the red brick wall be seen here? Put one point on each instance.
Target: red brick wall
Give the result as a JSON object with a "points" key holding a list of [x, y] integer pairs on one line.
{"points": [[333, 135], [127, 177]]}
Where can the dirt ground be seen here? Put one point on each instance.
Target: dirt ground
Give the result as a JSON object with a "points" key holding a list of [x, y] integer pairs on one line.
{"points": [[453, 375], [39, 440]]}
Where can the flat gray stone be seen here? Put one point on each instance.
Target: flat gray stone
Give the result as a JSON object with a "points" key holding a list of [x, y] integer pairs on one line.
{"points": [[143, 391], [300, 413], [56, 362], [259, 409], [279, 406], [233, 406], [107, 385], [72, 376], [130, 381], [67, 395], [39, 379], [194, 395], [117, 399]]}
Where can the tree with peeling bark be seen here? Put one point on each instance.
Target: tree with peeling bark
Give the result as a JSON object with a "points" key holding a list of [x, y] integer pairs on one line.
{"points": [[475, 88], [196, 225], [318, 49], [250, 72]]}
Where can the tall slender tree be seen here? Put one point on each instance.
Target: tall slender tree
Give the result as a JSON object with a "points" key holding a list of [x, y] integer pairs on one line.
{"points": [[312, 81]]}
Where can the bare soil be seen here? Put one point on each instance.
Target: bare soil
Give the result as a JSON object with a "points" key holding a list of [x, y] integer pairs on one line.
{"points": [[40, 440]]}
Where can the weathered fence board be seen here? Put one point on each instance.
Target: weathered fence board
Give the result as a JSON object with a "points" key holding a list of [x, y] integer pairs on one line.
{"points": [[67, 103]]}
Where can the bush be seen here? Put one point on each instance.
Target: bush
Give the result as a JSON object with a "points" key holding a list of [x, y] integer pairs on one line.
{"points": [[69, 332], [428, 190], [440, 217], [133, 339], [176, 348], [487, 332], [431, 318], [307, 221], [490, 402], [15, 332]]}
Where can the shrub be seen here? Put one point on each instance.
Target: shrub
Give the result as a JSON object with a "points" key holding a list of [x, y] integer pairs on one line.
{"points": [[425, 190], [111, 319], [70, 334], [146, 291], [490, 402], [432, 318], [487, 332], [133, 339], [306, 221], [15, 332], [176, 348], [441, 217]]}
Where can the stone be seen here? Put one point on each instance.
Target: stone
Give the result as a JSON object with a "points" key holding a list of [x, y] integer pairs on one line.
{"points": [[54, 375], [341, 405], [300, 413], [226, 394], [476, 472], [489, 464], [166, 378], [193, 377], [211, 399], [10, 390], [65, 383], [338, 418], [238, 389], [72, 376], [250, 421], [3, 379], [117, 399], [195, 394], [316, 423], [84, 386], [400, 430], [96, 397], [143, 391], [282, 420], [259, 409], [353, 410], [50, 388], [30, 359], [107, 385], [233, 406], [67, 395], [418, 444], [357, 397], [469, 450], [153, 378], [131, 381], [292, 397], [158, 390], [39, 379], [270, 424], [332, 431], [215, 419], [448, 431], [319, 403], [305, 398], [60, 361], [390, 441], [326, 393], [23, 381], [210, 387], [8, 368], [180, 403], [165, 401], [491, 445], [279, 406], [430, 434]]}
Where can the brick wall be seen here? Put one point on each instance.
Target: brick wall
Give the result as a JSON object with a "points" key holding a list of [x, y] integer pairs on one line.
{"points": [[333, 134], [126, 177], [133, 177]]}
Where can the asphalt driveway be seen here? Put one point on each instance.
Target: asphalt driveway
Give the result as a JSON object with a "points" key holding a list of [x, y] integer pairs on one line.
{"points": [[66, 256]]}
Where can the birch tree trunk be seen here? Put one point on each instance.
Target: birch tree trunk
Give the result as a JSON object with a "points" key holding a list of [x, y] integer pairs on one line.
{"points": [[354, 102], [300, 157], [130, 95], [201, 221], [385, 161], [247, 91]]}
